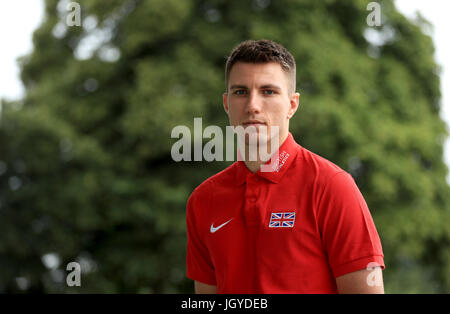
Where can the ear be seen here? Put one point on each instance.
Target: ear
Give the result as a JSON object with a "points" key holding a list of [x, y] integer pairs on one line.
{"points": [[294, 103], [225, 101]]}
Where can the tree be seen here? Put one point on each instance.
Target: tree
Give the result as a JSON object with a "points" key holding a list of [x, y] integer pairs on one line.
{"points": [[86, 173]]}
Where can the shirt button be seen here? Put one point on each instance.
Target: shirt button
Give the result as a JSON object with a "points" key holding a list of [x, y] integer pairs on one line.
{"points": [[252, 199]]}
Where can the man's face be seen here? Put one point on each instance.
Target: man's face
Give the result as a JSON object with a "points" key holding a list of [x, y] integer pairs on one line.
{"points": [[258, 95]]}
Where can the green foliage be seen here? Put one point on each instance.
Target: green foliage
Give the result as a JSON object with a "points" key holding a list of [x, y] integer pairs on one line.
{"points": [[85, 165]]}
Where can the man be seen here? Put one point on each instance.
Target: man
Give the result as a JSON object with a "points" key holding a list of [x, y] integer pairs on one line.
{"points": [[302, 228]]}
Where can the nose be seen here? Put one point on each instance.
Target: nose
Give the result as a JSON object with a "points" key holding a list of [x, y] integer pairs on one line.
{"points": [[254, 103]]}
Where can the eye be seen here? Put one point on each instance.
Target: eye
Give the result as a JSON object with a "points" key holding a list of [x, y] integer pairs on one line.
{"points": [[240, 92], [269, 92]]}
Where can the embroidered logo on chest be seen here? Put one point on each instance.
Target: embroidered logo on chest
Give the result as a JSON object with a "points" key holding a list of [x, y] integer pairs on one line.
{"points": [[282, 220]]}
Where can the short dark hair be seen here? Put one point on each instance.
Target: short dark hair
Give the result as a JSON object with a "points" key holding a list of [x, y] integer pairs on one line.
{"points": [[262, 51]]}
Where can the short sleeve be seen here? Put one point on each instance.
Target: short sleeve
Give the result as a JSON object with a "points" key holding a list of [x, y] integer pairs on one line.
{"points": [[198, 263], [348, 232]]}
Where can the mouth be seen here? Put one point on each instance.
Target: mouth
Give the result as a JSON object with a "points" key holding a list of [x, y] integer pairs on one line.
{"points": [[254, 123]]}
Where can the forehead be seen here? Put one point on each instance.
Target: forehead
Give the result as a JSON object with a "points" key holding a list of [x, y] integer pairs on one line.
{"points": [[257, 73]]}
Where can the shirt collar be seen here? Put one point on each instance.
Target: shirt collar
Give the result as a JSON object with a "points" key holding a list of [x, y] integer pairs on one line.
{"points": [[279, 163]]}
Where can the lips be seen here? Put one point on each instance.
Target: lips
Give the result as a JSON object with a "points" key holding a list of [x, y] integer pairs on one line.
{"points": [[253, 122]]}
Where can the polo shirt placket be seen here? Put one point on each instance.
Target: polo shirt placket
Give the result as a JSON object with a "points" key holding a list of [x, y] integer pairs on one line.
{"points": [[253, 210], [257, 204]]}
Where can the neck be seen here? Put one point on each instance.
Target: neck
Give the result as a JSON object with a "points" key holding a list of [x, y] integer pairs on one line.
{"points": [[254, 166]]}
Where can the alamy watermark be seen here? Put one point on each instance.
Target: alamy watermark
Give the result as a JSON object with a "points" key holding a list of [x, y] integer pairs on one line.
{"points": [[374, 17], [374, 278], [254, 143], [74, 277], [74, 17]]}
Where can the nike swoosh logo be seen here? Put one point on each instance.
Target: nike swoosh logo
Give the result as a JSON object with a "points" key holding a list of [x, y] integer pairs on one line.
{"points": [[214, 229]]}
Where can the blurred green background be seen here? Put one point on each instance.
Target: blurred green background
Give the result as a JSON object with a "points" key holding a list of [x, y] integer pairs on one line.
{"points": [[86, 173]]}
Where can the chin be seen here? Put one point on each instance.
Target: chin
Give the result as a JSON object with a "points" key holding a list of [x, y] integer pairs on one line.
{"points": [[263, 135]]}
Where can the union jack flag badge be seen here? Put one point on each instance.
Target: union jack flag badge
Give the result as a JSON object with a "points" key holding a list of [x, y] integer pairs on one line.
{"points": [[282, 220]]}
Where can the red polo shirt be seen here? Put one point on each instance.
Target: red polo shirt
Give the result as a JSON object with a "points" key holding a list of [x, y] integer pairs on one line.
{"points": [[293, 230]]}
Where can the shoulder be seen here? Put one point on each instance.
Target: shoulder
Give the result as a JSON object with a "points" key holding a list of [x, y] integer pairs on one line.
{"points": [[326, 181], [224, 177], [318, 168], [205, 190], [333, 187]]}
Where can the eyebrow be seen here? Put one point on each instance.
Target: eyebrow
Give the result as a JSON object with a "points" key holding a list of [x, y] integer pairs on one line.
{"points": [[238, 87], [271, 86], [265, 86]]}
